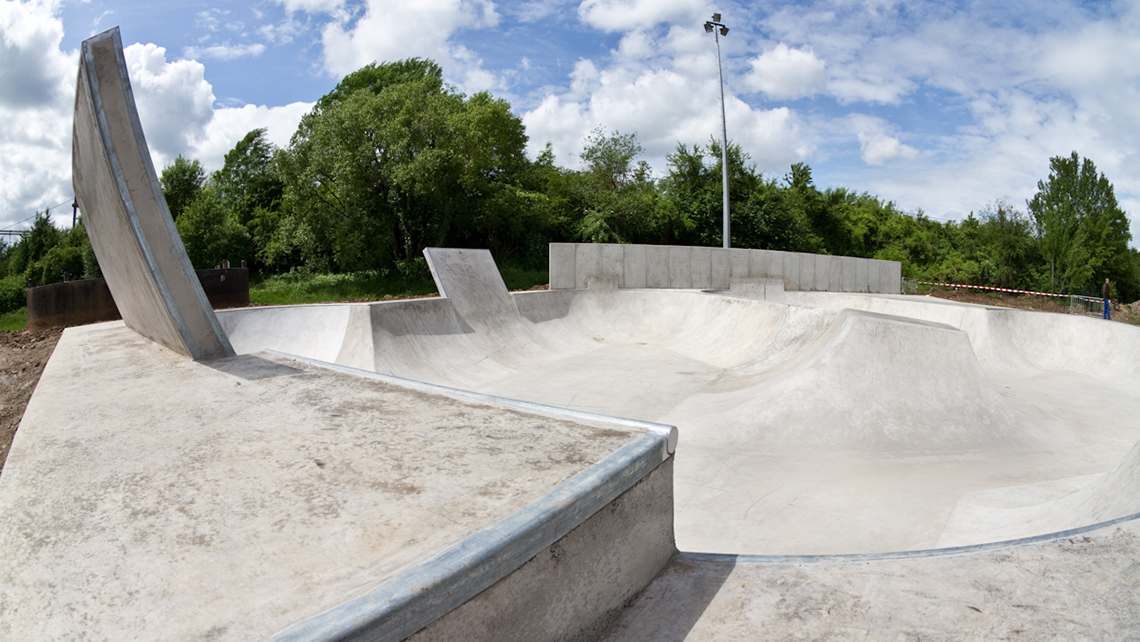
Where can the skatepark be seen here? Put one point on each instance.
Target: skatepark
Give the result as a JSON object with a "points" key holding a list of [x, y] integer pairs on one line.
{"points": [[669, 443]]}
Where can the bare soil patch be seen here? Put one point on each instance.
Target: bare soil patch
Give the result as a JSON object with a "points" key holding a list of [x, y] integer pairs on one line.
{"points": [[1125, 313], [23, 356]]}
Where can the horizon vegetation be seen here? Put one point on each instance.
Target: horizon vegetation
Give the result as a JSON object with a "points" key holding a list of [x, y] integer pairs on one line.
{"points": [[393, 160]]}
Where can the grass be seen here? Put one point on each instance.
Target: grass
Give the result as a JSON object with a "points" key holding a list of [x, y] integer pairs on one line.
{"points": [[296, 288], [15, 320]]}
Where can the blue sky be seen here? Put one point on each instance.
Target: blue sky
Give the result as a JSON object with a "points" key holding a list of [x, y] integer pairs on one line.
{"points": [[939, 106]]}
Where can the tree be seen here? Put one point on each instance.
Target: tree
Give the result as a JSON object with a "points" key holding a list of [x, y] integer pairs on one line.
{"points": [[1082, 232], [618, 195], [181, 181], [392, 162]]}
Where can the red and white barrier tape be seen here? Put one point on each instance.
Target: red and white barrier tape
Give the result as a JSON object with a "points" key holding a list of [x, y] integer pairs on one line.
{"points": [[983, 287]]}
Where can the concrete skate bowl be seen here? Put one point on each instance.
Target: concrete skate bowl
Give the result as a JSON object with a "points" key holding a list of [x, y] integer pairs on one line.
{"points": [[821, 424]]}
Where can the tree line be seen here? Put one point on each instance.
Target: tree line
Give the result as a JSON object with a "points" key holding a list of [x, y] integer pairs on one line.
{"points": [[394, 160]]}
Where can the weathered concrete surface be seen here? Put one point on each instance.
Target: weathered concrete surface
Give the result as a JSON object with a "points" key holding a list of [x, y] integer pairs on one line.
{"points": [[595, 569], [833, 423], [1080, 588], [147, 493], [125, 213]]}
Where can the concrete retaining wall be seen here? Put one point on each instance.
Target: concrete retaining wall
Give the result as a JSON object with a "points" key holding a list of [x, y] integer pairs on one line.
{"points": [[572, 265], [90, 300]]}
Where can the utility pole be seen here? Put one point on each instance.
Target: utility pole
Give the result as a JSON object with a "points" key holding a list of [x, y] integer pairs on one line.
{"points": [[717, 29]]}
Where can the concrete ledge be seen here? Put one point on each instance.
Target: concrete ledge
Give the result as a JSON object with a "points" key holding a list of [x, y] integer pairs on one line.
{"points": [[665, 266], [566, 529]]}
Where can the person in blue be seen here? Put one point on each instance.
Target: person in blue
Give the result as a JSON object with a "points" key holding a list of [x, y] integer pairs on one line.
{"points": [[1104, 294]]}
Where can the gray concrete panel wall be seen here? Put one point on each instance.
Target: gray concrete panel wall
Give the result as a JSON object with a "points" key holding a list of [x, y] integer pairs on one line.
{"points": [[861, 268], [657, 266], [562, 266], [680, 267], [721, 270], [849, 270], [125, 212], [835, 273], [822, 281], [892, 278], [664, 266], [700, 271], [738, 260], [587, 263], [791, 261], [634, 267], [873, 280]]}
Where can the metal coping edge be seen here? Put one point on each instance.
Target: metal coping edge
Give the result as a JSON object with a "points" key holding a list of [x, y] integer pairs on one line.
{"points": [[668, 432], [423, 593], [730, 558]]}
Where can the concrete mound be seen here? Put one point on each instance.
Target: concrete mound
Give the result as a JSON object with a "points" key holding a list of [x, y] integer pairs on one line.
{"points": [[858, 381]]}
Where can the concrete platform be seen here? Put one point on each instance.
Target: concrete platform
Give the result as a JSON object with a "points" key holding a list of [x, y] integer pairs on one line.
{"points": [[147, 493]]}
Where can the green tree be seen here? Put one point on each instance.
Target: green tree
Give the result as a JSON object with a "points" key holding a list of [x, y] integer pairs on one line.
{"points": [[394, 162], [618, 195], [181, 182], [1081, 230], [210, 233]]}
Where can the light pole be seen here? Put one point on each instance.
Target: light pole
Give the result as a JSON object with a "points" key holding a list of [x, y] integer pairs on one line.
{"points": [[717, 29]]}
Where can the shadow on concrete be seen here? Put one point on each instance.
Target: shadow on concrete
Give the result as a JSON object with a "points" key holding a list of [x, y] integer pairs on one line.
{"points": [[673, 603], [252, 367]]}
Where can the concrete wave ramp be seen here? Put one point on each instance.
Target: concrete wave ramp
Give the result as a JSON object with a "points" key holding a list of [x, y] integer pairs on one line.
{"points": [[819, 425]]}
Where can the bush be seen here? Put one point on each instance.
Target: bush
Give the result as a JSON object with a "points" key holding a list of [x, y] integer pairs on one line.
{"points": [[58, 260], [13, 293]]}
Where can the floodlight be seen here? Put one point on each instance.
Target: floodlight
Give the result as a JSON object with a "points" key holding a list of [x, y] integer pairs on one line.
{"points": [[716, 17], [724, 31], [711, 27], [708, 27]]}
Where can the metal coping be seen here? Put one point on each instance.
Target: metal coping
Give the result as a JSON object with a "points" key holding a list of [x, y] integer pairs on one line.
{"points": [[729, 558], [423, 593]]}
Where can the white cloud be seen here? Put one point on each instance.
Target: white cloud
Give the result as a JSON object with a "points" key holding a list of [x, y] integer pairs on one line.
{"points": [[224, 52], [311, 6], [877, 145], [627, 15], [389, 31], [174, 100], [38, 81], [230, 125], [666, 97], [785, 73]]}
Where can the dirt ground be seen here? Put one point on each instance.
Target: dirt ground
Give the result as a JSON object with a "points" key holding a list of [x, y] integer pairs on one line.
{"points": [[24, 354], [1127, 313]]}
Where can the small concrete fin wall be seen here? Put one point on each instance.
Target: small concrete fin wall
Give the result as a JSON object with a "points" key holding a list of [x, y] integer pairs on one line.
{"points": [[125, 212], [572, 265]]}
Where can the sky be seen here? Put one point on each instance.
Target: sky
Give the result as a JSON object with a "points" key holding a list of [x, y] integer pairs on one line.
{"points": [[944, 107]]}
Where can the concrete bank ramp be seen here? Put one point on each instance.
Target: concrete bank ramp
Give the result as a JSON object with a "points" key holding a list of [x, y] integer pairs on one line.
{"points": [[858, 381]]}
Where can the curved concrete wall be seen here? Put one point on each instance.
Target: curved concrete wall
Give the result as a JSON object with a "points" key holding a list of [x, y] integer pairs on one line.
{"points": [[572, 265], [125, 213]]}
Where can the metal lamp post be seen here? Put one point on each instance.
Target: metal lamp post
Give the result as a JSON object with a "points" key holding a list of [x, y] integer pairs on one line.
{"points": [[717, 29]]}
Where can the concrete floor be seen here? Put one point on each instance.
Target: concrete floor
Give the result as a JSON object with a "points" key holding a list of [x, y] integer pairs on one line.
{"points": [[819, 424], [149, 496], [246, 490]]}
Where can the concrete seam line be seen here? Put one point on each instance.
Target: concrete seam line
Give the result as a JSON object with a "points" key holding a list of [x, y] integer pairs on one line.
{"points": [[422, 594], [729, 558], [669, 433]]}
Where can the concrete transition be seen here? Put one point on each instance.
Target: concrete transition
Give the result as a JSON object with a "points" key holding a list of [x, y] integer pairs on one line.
{"points": [[125, 213], [847, 463]]}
